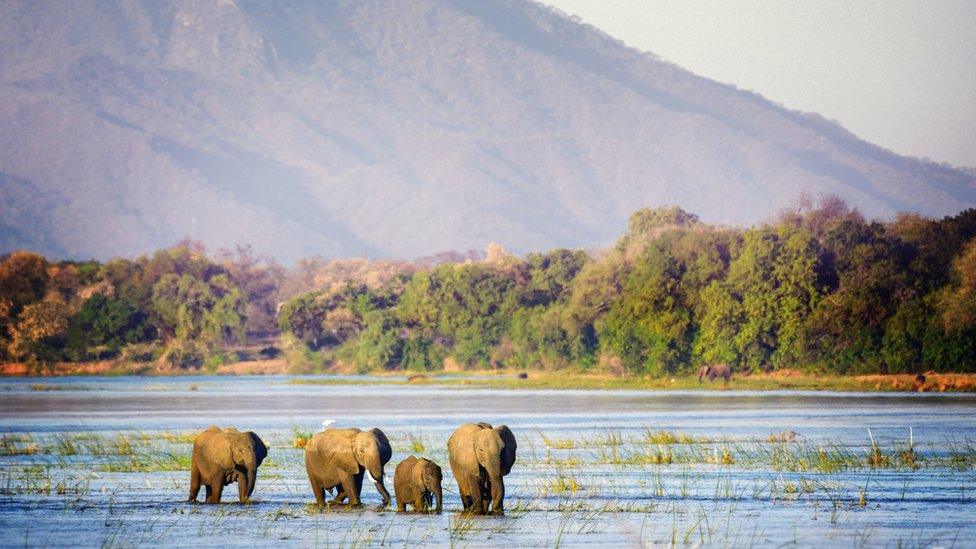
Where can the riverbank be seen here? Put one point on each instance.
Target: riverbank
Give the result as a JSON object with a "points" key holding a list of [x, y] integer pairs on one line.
{"points": [[508, 379]]}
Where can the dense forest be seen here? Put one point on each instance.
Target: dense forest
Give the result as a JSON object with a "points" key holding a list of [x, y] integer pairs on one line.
{"points": [[820, 288]]}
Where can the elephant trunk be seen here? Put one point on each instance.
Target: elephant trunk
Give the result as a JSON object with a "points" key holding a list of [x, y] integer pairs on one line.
{"points": [[493, 467], [375, 470], [439, 496], [252, 474]]}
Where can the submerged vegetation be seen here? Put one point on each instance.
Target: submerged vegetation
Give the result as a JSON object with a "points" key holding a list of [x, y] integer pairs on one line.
{"points": [[820, 290], [672, 487]]}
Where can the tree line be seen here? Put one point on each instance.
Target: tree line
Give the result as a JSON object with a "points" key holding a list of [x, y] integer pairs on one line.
{"points": [[819, 288]]}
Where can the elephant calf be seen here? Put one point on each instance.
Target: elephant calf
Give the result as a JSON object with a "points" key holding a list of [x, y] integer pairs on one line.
{"points": [[221, 457], [338, 458], [712, 371], [416, 482], [480, 456]]}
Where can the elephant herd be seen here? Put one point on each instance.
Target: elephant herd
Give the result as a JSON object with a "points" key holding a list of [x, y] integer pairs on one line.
{"points": [[337, 459]]}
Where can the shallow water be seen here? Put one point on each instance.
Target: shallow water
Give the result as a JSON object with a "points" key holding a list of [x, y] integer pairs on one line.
{"points": [[583, 475]]}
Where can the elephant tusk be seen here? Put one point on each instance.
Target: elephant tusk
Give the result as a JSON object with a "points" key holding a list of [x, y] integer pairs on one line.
{"points": [[370, 476]]}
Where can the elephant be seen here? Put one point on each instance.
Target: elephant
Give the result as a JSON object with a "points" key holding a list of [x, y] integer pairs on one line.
{"points": [[480, 456], [416, 482], [338, 458], [712, 371], [221, 457]]}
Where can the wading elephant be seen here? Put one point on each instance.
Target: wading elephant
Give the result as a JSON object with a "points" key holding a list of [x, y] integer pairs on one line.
{"points": [[338, 458], [480, 456], [417, 482], [712, 371], [221, 457]]}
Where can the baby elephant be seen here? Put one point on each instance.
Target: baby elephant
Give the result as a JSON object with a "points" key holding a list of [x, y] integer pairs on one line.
{"points": [[417, 482], [221, 457], [712, 371]]}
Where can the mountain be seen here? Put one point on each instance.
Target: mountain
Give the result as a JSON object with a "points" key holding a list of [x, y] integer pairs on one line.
{"points": [[389, 129]]}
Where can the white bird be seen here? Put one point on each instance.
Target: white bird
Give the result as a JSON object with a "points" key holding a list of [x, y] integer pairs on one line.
{"points": [[327, 423]]}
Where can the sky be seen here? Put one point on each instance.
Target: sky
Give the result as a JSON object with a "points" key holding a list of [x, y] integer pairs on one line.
{"points": [[900, 74]]}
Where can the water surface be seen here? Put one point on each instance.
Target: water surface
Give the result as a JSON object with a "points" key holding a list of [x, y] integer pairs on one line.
{"points": [[583, 475]]}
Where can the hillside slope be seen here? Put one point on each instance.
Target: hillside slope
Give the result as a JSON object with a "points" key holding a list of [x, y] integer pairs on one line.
{"points": [[388, 129]]}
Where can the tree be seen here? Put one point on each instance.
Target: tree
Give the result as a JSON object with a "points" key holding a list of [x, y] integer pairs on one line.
{"points": [[37, 336], [771, 287], [958, 300], [102, 326], [197, 315]]}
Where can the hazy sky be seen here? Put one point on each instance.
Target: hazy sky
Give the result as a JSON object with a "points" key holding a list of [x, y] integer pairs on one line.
{"points": [[901, 74]]}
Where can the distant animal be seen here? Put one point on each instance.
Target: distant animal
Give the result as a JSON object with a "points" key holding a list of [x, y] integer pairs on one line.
{"points": [[523, 375], [417, 482], [920, 382], [338, 458], [480, 455], [712, 371], [221, 457]]}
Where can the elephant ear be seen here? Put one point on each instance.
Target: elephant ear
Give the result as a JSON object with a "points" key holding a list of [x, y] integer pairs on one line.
{"points": [[508, 452], [432, 474], [417, 473], [260, 450], [386, 451], [338, 451]]}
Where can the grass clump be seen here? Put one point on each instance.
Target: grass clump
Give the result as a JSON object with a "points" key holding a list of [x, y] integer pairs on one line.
{"points": [[562, 484], [661, 437], [558, 443], [877, 459], [178, 438], [669, 437], [300, 438], [784, 436], [417, 445], [17, 445], [148, 464]]}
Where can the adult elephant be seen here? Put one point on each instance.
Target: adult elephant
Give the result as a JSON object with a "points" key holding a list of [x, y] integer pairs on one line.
{"points": [[338, 458], [712, 371], [221, 457], [480, 456]]}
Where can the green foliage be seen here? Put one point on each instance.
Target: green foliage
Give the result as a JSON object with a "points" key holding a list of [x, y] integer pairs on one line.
{"points": [[204, 311], [465, 307], [102, 327], [819, 289], [651, 327]]}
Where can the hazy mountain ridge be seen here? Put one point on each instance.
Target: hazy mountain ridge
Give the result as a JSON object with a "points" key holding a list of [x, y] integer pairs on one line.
{"points": [[390, 129]]}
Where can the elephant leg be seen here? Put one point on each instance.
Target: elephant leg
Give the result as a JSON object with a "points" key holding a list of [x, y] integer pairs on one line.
{"points": [[383, 492], [348, 488], [358, 479], [217, 487], [477, 499], [318, 491], [497, 498], [242, 487], [339, 498], [464, 488], [400, 498], [423, 502], [194, 483]]}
